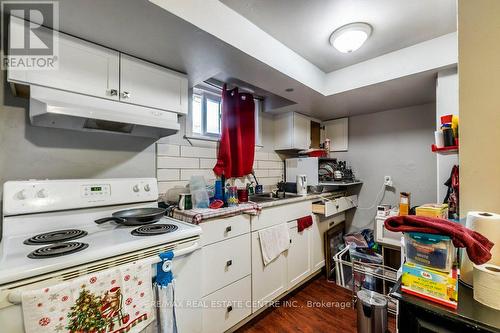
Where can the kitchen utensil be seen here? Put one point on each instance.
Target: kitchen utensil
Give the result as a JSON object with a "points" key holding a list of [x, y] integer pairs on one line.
{"points": [[242, 195], [301, 184], [136, 216], [185, 201]]}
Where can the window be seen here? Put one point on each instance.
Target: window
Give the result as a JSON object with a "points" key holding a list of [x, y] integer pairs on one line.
{"points": [[206, 118], [204, 121]]}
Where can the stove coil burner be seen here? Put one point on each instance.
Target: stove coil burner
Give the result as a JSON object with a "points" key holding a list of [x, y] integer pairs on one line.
{"points": [[154, 229], [57, 250], [55, 237]]}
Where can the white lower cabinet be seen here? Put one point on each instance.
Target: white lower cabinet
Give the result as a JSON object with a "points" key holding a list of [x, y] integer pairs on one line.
{"points": [[318, 230], [298, 256], [268, 282], [227, 306], [225, 262]]}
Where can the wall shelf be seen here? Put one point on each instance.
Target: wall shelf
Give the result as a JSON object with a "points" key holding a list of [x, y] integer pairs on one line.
{"points": [[445, 150]]}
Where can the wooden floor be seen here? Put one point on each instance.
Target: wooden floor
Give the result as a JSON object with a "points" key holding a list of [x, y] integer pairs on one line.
{"points": [[319, 306]]}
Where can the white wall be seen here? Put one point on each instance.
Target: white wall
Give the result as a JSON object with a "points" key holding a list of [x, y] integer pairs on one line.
{"points": [[395, 143], [446, 103]]}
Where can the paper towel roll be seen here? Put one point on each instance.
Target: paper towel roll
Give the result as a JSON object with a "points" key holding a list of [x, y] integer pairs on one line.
{"points": [[487, 285], [487, 224]]}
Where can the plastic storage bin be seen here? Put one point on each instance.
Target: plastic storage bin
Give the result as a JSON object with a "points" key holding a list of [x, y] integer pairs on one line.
{"points": [[433, 251]]}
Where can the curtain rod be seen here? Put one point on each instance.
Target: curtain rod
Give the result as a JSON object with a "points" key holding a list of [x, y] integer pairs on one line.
{"points": [[219, 87]]}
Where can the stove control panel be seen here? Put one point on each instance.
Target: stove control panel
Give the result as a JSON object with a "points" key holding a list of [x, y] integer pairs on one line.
{"points": [[36, 196], [96, 192]]}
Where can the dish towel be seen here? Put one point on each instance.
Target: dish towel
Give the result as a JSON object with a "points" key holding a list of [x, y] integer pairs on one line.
{"points": [[304, 223], [119, 299], [477, 246], [273, 241], [164, 289]]}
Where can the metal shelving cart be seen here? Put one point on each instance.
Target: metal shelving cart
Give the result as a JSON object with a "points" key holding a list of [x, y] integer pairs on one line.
{"points": [[354, 274]]}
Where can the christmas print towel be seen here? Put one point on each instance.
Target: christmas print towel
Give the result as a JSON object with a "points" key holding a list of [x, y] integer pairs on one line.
{"points": [[116, 300]]}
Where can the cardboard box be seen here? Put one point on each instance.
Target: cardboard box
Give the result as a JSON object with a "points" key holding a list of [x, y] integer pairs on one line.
{"points": [[433, 210], [430, 284]]}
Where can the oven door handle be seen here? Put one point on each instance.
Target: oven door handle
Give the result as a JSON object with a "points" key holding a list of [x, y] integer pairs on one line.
{"points": [[187, 250]]}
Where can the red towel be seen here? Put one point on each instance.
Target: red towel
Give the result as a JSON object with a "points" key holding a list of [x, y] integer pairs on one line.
{"points": [[304, 222], [237, 142], [478, 247]]}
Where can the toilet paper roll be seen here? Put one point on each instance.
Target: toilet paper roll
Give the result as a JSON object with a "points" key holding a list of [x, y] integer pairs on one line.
{"points": [[487, 285], [487, 224]]}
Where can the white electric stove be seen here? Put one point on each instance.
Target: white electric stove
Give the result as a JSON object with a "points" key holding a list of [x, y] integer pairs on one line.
{"points": [[49, 235]]}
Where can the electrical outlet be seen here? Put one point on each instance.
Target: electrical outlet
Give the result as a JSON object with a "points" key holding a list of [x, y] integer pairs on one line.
{"points": [[387, 180]]}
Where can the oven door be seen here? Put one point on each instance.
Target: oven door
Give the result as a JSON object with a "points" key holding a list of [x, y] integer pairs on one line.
{"points": [[187, 273]]}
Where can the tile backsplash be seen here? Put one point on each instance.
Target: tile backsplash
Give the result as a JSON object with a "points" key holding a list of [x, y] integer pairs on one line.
{"points": [[177, 163]]}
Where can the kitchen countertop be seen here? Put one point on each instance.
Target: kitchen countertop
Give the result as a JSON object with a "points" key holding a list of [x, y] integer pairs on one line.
{"points": [[274, 203], [250, 208]]}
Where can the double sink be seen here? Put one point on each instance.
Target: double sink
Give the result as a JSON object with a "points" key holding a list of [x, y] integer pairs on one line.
{"points": [[268, 197]]}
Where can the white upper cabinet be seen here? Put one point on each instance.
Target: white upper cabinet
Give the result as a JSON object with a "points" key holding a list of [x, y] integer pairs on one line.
{"points": [[146, 84], [337, 131], [292, 131], [90, 69], [83, 68]]}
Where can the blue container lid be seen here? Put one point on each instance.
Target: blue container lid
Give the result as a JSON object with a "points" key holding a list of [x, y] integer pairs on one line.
{"points": [[428, 238]]}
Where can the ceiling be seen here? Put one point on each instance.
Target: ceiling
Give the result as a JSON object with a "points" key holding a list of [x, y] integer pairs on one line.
{"points": [[306, 25], [142, 29]]}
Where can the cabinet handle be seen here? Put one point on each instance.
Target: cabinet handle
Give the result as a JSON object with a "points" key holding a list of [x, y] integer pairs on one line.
{"points": [[228, 229], [125, 94], [113, 92], [229, 308], [229, 263]]}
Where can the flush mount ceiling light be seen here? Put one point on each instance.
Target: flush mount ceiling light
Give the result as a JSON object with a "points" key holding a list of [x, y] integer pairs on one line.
{"points": [[350, 37]]}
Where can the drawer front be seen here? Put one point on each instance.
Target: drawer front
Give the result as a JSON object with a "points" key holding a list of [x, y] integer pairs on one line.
{"points": [[225, 262], [227, 307], [279, 214], [338, 205], [221, 229]]}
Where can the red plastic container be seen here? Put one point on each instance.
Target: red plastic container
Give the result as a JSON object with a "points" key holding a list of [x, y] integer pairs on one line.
{"points": [[446, 119], [243, 195]]}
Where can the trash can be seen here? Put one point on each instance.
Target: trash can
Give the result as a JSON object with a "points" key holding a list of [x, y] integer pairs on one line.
{"points": [[372, 312]]}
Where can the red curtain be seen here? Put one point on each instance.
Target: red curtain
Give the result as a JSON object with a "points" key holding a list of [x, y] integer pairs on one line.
{"points": [[237, 144]]}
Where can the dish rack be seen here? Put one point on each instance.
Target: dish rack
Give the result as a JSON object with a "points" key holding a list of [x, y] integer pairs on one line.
{"points": [[353, 274]]}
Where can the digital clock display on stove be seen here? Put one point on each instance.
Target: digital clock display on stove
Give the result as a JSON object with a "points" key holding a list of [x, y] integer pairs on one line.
{"points": [[95, 189]]}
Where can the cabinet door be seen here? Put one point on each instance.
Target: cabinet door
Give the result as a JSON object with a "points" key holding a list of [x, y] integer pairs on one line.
{"points": [[317, 243], [283, 131], [83, 68], [268, 282], [298, 255], [301, 131], [146, 84], [337, 131]]}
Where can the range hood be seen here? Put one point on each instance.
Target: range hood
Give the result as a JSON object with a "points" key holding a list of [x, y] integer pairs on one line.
{"points": [[56, 108]]}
